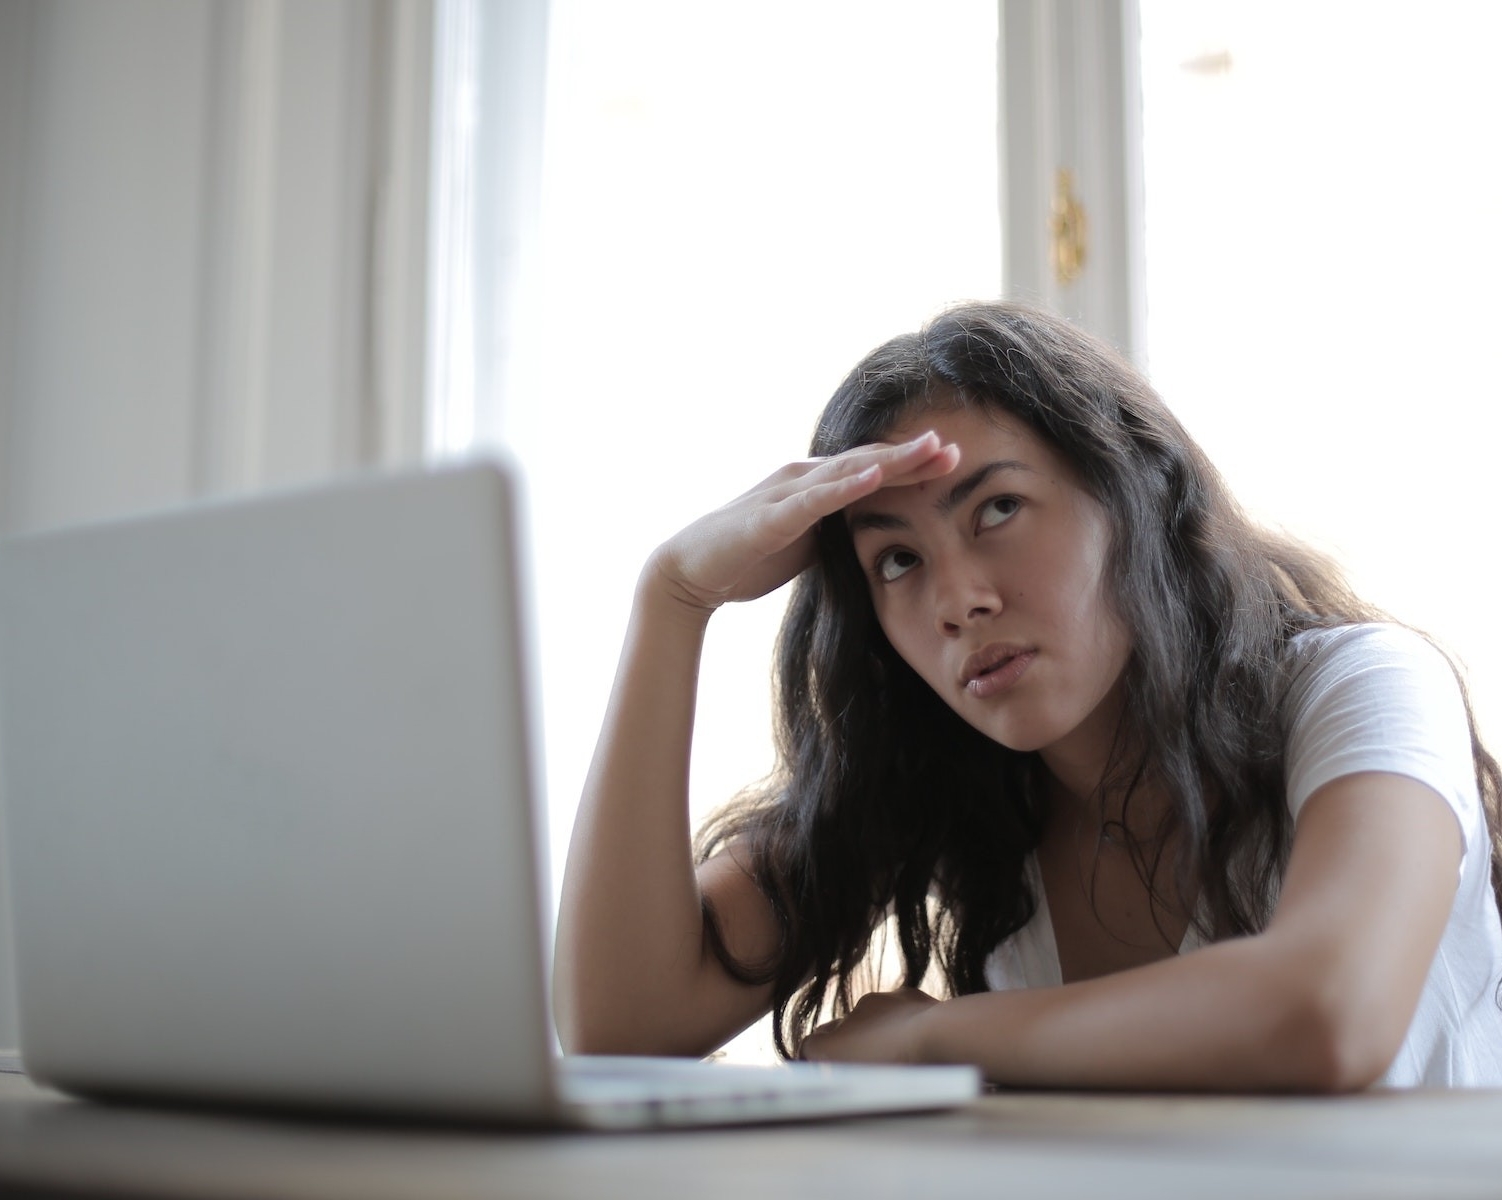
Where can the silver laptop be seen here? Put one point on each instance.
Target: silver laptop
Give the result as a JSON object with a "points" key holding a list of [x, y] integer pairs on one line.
{"points": [[270, 776]]}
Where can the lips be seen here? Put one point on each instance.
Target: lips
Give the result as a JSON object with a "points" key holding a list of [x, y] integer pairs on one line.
{"points": [[995, 668]]}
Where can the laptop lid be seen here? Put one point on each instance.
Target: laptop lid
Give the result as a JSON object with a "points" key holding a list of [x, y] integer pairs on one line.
{"points": [[270, 800]]}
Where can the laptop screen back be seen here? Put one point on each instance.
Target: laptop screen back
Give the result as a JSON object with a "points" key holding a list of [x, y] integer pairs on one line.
{"points": [[270, 800]]}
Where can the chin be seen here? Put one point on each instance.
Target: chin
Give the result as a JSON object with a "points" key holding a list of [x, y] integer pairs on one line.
{"points": [[1023, 745], [1024, 738]]}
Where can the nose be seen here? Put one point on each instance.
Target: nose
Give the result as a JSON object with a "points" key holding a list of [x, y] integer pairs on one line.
{"points": [[963, 596]]}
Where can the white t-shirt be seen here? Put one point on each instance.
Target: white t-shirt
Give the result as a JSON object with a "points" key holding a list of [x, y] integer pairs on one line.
{"points": [[1371, 698]]}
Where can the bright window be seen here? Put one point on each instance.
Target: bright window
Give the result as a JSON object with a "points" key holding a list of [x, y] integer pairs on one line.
{"points": [[737, 204], [1323, 264]]}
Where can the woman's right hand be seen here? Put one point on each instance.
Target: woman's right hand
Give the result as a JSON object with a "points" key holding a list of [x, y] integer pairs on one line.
{"points": [[763, 538]]}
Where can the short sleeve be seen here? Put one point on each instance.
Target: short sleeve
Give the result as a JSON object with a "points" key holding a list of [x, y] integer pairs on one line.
{"points": [[1377, 698]]}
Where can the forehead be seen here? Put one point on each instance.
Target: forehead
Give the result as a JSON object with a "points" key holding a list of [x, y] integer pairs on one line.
{"points": [[982, 436], [993, 446]]}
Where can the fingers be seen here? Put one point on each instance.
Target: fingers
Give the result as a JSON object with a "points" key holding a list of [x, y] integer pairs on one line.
{"points": [[815, 1045], [942, 463], [828, 485], [881, 1027], [863, 470], [922, 456], [813, 502], [763, 538]]}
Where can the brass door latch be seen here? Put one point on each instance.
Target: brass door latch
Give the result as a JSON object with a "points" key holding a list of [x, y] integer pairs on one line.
{"points": [[1067, 225]]}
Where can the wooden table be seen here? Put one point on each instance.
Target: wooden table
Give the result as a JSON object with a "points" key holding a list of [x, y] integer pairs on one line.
{"points": [[1419, 1144]]}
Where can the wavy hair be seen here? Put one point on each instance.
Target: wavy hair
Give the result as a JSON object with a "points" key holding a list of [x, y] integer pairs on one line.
{"points": [[887, 805]]}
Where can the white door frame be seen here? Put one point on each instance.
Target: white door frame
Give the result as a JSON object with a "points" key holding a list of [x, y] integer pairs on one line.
{"points": [[1071, 100]]}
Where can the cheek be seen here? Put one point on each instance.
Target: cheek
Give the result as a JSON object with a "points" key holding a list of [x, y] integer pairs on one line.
{"points": [[1085, 611], [1079, 564], [906, 632], [1100, 628]]}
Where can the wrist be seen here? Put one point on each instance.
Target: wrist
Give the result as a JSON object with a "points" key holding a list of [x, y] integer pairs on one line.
{"points": [[925, 1038], [661, 594]]}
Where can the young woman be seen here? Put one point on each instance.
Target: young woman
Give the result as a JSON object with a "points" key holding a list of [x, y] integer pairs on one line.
{"points": [[1148, 796]]}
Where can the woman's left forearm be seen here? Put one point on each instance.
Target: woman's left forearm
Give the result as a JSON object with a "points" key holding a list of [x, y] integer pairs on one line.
{"points": [[1236, 1016]]}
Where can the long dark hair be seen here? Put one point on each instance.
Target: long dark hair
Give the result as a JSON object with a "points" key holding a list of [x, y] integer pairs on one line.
{"points": [[886, 804]]}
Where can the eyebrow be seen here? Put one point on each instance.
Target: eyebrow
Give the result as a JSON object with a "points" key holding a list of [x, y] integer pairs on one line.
{"points": [[945, 504]]}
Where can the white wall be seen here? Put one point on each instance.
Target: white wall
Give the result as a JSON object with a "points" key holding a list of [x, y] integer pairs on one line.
{"points": [[211, 218], [16, 21], [102, 164]]}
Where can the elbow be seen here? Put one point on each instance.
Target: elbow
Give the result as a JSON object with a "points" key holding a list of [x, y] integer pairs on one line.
{"points": [[578, 1034], [585, 1029], [582, 1028], [587, 1009], [1337, 1043], [580, 1039], [583, 1037], [564, 1024], [609, 1025], [573, 1034]]}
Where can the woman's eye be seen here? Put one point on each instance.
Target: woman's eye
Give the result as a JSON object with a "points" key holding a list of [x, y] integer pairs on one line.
{"points": [[894, 564], [994, 512]]}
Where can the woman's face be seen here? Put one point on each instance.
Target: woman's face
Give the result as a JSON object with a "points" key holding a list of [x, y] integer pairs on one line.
{"points": [[989, 583]]}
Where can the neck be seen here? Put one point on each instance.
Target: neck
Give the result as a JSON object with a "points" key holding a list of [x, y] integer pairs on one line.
{"points": [[1093, 783], [1117, 811], [1079, 761]]}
